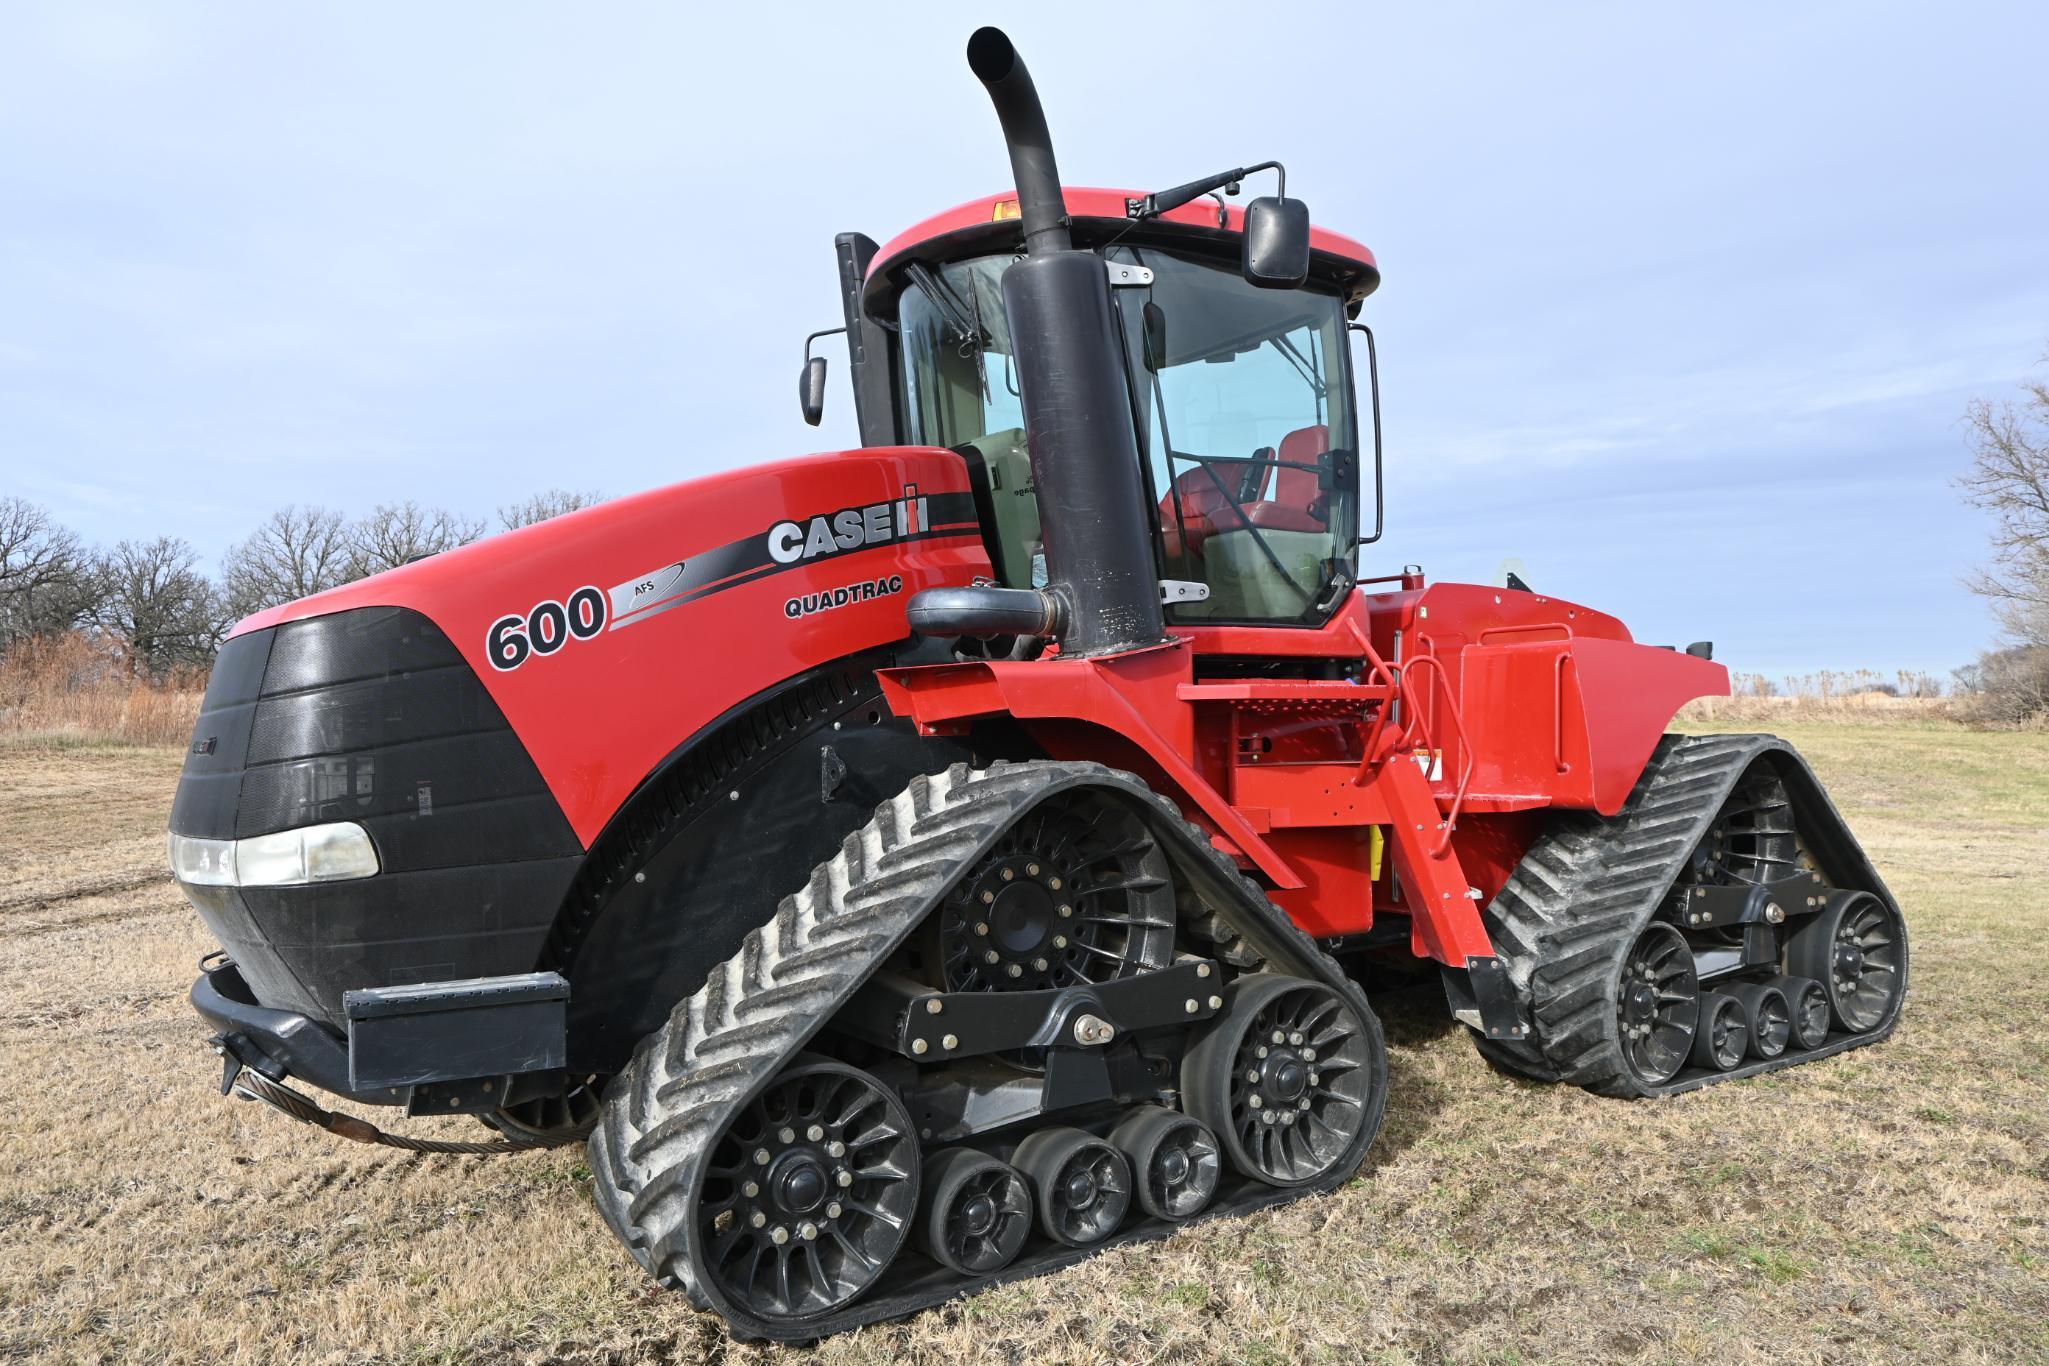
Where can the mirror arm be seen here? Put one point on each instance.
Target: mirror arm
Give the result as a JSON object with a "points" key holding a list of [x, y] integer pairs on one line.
{"points": [[827, 332], [1373, 388]]}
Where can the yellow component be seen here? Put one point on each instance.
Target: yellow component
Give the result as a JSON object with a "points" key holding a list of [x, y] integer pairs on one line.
{"points": [[1376, 843], [1005, 208]]}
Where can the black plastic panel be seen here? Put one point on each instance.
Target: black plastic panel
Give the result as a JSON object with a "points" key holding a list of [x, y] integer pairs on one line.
{"points": [[371, 716], [212, 779], [342, 647], [301, 948]]}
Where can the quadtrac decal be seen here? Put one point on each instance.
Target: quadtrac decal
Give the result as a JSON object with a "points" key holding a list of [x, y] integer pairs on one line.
{"points": [[867, 590], [547, 627]]}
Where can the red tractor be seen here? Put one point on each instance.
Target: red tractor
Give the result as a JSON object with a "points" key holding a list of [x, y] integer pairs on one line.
{"points": [[920, 866]]}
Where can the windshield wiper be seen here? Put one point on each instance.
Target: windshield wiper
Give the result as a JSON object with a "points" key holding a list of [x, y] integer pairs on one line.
{"points": [[950, 305]]}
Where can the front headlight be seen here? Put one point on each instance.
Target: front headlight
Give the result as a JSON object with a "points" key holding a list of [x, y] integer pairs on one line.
{"points": [[313, 853]]}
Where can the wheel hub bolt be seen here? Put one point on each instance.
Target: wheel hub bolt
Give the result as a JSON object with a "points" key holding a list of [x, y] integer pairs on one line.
{"points": [[761, 1156], [982, 928], [815, 1132], [1280, 1037], [779, 1235], [988, 898], [788, 1135], [808, 1232], [1065, 911], [1054, 883], [1252, 1074], [1302, 1104], [845, 1179], [1254, 1101], [751, 1189], [1038, 965], [1296, 1038], [757, 1218], [1259, 1052], [835, 1149], [1308, 1055], [1032, 869], [992, 957], [1266, 1117], [1016, 971], [1287, 1117], [1009, 874], [1059, 941], [832, 1211]]}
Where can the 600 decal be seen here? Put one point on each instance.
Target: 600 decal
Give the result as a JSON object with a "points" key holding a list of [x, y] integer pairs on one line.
{"points": [[545, 628]]}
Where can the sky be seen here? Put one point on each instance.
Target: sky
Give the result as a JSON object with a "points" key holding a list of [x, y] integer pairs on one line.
{"points": [[1681, 306]]}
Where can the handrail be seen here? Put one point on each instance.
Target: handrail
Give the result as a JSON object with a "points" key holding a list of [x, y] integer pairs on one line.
{"points": [[1410, 726], [1558, 719], [1391, 677]]}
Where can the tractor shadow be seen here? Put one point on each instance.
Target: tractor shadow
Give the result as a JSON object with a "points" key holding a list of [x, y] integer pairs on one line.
{"points": [[1414, 1017]]}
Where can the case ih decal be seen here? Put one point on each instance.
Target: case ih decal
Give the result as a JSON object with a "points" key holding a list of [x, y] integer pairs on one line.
{"points": [[548, 626]]}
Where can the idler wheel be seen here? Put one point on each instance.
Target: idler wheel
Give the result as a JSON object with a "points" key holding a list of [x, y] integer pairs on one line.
{"points": [[977, 1212]]}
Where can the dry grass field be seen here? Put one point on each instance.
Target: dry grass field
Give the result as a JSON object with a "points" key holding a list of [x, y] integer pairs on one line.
{"points": [[1890, 1203]]}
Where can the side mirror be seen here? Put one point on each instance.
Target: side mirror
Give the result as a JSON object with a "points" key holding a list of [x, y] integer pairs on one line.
{"points": [[1276, 243], [811, 385], [811, 389]]}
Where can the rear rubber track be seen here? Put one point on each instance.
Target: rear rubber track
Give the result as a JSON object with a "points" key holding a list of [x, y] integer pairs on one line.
{"points": [[1590, 884], [756, 1011]]}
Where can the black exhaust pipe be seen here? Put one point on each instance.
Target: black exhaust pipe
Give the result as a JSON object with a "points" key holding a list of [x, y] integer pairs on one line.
{"points": [[1100, 576]]}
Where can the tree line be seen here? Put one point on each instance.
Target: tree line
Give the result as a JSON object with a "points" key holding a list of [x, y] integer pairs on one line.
{"points": [[2009, 478], [151, 600]]}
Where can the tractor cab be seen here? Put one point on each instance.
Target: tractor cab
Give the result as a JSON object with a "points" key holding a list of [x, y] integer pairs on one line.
{"points": [[1243, 397]]}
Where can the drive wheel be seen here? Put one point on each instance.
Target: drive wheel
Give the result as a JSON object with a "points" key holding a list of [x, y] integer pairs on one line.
{"points": [[1083, 1185], [977, 1212], [1856, 947], [1656, 1004], [809, 1192], [1722, 1036], [1174, 1160], [1284, 1076], [1077, 892]]}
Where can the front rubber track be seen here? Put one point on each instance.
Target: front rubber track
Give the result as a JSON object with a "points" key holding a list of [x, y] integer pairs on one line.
{"points": [[756, 1011], [1588, 886]]}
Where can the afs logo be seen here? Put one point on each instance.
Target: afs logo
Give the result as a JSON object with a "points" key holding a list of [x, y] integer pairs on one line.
{"points": [[545, 628]]}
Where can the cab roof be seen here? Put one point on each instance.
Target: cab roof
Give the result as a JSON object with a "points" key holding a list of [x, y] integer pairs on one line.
{"points": [[991, 223]]}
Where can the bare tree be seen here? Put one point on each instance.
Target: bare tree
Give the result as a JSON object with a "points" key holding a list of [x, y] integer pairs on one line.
{"points": [[158, 605], [2009, 477], [542, 506], [397, 533], [296, 552], [47, 585]]}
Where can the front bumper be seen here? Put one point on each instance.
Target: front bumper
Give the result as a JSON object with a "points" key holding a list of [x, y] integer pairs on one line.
{"points": [[277, 1043], [466, 1046]]}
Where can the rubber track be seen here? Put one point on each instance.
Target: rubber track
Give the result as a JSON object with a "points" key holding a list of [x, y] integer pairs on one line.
{"points": [[1586, 888], [757, 1010]]}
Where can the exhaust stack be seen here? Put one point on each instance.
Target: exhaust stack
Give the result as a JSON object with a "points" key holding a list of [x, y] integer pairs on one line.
{"points": [[1103, 588]]}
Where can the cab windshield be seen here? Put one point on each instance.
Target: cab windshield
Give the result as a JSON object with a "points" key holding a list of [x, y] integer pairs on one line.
{"points": [[1243, 406]]}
